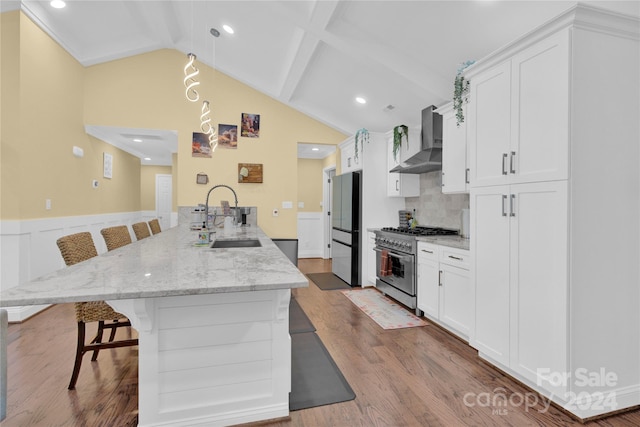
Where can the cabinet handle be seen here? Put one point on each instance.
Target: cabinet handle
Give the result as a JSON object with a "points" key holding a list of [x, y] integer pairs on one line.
{"points": [[397, 185], [424, 250], [349, 161], [504, 201], [513, 212], [442, 177], [466, 176], [504, 163], [455, 257], [440, 278], [511, 168]]}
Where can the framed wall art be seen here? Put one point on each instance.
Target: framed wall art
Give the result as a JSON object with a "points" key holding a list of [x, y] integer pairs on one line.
{"points": [[228, 136], [250, 125], [200, 146]]}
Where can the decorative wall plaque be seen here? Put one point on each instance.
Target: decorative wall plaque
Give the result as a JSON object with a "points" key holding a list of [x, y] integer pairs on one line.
{"points": [[250, 172]]}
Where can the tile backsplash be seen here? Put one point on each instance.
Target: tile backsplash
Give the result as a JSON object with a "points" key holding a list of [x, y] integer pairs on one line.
{"points": [[434, 208]]}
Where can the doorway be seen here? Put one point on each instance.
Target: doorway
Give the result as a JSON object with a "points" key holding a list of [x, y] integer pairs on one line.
{"points": [[164, 200]]}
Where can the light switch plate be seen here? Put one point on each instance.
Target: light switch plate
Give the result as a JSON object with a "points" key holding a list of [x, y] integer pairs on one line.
{"points": [[301, 205], [287, 205]]}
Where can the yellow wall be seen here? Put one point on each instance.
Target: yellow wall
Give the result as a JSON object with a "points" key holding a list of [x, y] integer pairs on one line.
{"points": [[148, 186], [43, 98], [52, 97], [146, 91], [310, 184], [9, 107]]}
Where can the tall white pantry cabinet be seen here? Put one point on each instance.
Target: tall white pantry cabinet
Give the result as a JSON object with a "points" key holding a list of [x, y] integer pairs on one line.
{"points": [[554, 134]]}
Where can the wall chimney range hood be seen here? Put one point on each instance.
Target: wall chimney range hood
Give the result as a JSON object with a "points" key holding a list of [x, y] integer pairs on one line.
{"points": [[429, 157]]}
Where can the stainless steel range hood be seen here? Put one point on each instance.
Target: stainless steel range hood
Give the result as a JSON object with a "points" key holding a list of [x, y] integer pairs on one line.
{"points": [[429, 158]]}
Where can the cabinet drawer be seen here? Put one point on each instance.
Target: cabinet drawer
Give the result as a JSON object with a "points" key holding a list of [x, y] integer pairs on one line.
{"points": [[427, 251], [455, 257]]}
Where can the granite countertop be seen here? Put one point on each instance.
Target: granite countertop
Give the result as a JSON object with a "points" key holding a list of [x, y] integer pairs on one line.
{"points": [[165, 264], [451, 241]]}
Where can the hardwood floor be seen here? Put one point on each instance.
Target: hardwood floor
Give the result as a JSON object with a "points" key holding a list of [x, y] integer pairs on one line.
{"points": [[406, 377]]}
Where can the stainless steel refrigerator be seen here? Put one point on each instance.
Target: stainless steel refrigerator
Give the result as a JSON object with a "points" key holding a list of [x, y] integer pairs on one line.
{"points": [[346, 219]]}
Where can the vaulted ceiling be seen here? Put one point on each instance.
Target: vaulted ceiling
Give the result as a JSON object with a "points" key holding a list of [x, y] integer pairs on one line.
{"points": [[316, 56]]}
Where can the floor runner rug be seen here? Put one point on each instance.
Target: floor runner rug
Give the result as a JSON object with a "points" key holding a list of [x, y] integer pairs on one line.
{"points": [[328, 281], [382, 310], [316, 380], [298, 320]]}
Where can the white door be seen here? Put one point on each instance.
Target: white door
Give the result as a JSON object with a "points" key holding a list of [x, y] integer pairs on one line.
{"points": [[489, 124], [164, 189], [490, 231], [428, 281], [454, 154], [540, 120], [539, 277], [455, 299]]}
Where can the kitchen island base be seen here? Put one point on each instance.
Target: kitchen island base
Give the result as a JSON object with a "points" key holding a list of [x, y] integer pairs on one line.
{"points": [[214, 359]]}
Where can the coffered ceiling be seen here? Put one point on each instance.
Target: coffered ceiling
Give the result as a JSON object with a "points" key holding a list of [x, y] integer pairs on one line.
{"points": [[315, 56]]}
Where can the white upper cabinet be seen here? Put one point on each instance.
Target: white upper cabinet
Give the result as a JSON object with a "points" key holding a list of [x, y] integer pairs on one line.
{"points": [[455, 173], [410, 146], [400, 184], [348, 160], [518, 116]]}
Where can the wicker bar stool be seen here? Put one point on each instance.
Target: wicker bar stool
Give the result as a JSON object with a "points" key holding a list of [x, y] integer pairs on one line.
{"points": [[141, 230], [76, 248], [154, 224], [116, 237]]}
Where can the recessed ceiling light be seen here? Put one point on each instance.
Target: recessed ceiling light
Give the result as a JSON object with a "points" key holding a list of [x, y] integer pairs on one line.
{"points": [[228, 29], [137, 140], [57, 4], [361, 100], [315, 149], [147, 158]]}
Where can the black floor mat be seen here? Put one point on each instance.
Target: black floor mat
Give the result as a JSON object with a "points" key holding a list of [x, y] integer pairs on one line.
{"points": [[316, 380], [328, 281], [298, 320]]}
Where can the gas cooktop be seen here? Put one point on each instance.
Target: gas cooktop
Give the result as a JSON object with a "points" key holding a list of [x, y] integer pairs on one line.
{"points": [[422, 231]]}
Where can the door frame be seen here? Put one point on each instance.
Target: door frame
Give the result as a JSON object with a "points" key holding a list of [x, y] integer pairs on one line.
{"points": [[327, 176], [168, 220]]}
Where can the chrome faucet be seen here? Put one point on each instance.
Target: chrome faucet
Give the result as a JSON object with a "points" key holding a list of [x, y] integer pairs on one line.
{"points": [[206, 204]]}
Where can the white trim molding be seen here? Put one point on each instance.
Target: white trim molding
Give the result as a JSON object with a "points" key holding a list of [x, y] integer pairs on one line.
{"points": [[28, 247], [310, 234]]}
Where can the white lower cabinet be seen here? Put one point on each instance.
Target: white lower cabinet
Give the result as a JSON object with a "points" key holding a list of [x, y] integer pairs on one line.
{"points": [[428, 297], [370, 274], [520, 246], [456, 305], [444, 288]]}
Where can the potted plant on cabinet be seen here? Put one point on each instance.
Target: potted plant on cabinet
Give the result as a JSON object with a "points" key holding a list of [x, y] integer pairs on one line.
{"points": [[362, 136], [461, 91], [398, 132]]}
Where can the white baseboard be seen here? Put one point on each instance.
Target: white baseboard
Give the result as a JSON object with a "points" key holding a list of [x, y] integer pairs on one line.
{"points": [[22, 313]]}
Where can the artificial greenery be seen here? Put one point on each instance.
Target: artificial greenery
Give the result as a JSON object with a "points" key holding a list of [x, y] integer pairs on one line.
{"points": [[362, 136], [460, 92], [398, 132]]}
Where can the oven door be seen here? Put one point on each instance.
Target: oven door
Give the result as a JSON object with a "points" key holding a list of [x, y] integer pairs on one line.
{"points": [[402, 271]]}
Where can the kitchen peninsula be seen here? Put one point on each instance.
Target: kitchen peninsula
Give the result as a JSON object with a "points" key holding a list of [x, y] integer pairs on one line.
{"points": [[213, 324]]}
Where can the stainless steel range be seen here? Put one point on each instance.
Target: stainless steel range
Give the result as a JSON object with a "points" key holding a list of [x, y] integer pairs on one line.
{"points": [[396, 250]]}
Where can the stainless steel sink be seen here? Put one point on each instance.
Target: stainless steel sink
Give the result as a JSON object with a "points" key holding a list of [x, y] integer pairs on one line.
{"points": [[247, 243]]}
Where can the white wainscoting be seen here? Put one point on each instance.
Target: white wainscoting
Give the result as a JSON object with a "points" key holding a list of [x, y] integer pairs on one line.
{"points": [[310, 235], [28, 248]]}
